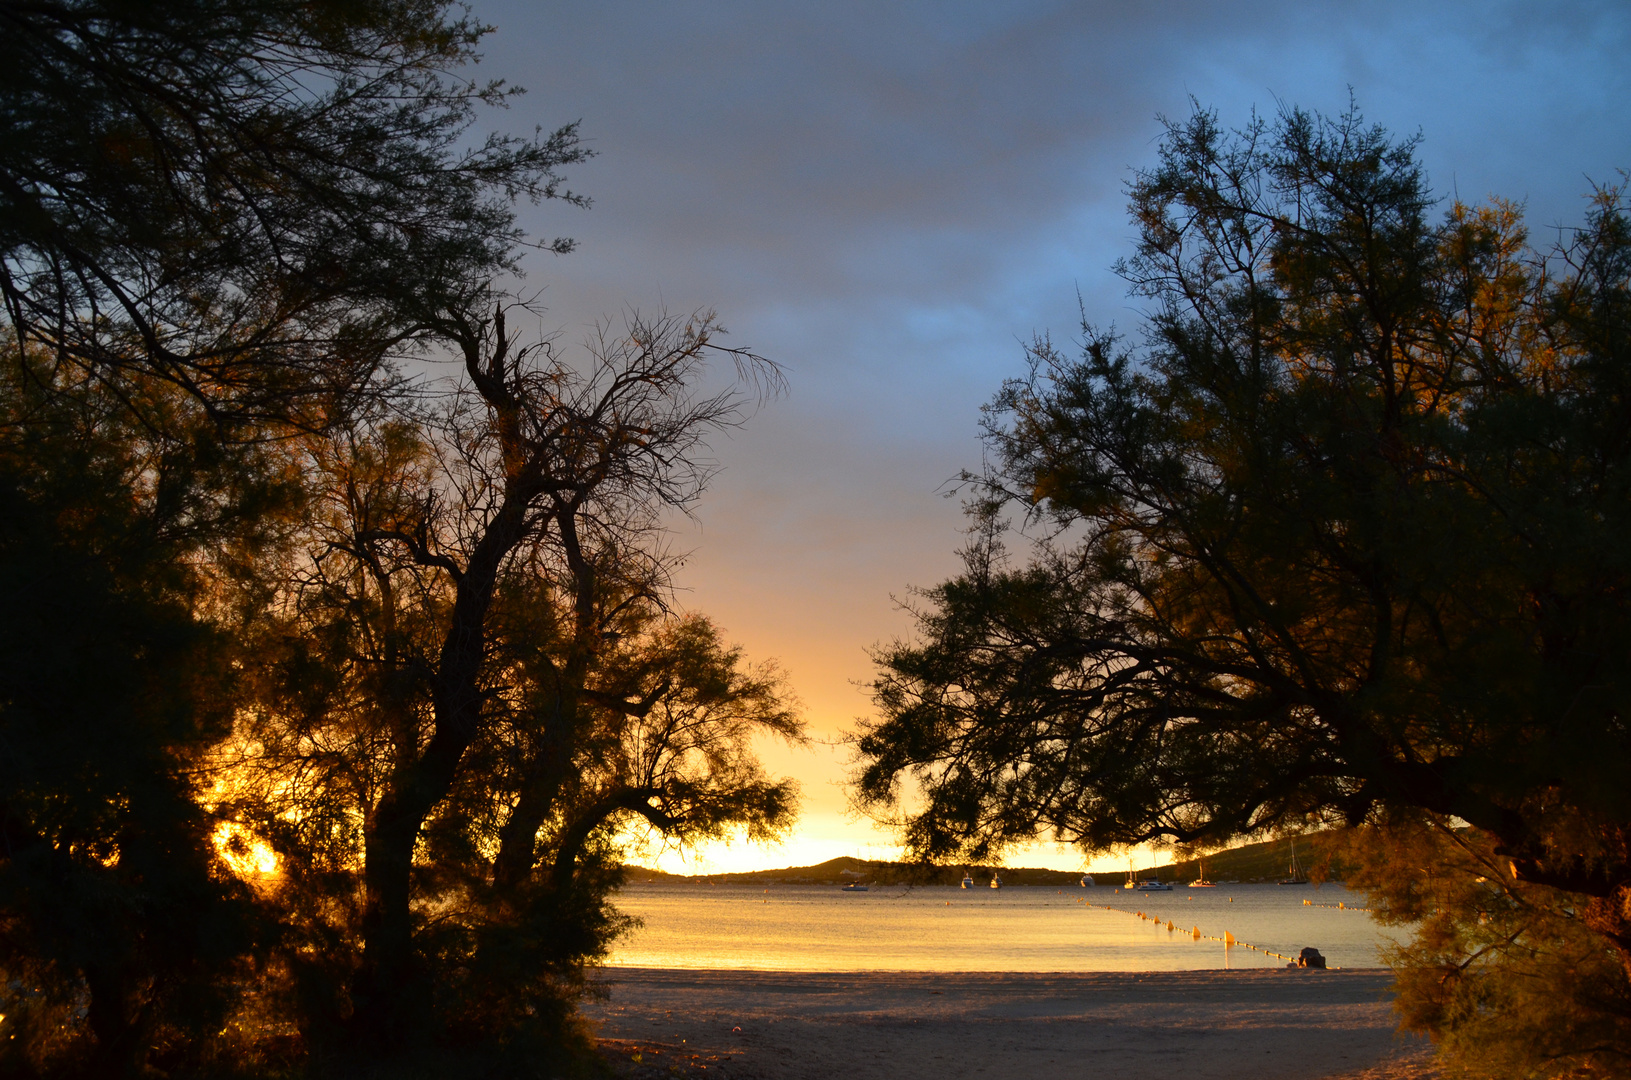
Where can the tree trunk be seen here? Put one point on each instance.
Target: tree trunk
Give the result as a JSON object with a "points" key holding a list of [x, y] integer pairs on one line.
{"points": [[390, 1001], [547, 771], [548, 767], [386, 983], [119, 1021], [637, 800]]}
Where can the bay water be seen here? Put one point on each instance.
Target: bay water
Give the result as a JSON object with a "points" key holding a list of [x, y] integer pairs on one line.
{"points": [[1016, 928]]}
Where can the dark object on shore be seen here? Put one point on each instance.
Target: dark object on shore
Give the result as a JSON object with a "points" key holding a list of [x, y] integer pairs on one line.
{"points": [[1311, 958]]}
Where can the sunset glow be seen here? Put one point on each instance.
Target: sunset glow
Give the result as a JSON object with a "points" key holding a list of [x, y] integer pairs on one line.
{"points": [[890, 212], [668, 541], [246, 854]]}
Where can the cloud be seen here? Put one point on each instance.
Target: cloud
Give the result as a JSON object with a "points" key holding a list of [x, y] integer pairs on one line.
{"points": [[889, 198]]}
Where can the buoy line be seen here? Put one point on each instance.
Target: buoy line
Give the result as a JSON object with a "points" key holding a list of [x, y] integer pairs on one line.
{"points": [[1338, 906], [1228, 940]]}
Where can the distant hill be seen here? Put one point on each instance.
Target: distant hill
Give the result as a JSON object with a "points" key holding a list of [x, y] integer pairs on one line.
{"points": [[846, 869], [1266, 861]]}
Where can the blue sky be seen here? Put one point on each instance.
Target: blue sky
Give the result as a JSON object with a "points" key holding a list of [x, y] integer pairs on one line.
{"points": [[888, 199]]}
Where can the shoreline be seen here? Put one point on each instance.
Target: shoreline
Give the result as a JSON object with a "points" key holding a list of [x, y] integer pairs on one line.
{"points": [[1273, 1023]]}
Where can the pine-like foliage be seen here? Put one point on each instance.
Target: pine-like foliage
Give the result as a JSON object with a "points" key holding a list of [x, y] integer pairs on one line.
{"points": [[1341, 535]]}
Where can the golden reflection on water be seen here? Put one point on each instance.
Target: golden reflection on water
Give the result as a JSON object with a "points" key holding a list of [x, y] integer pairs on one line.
{"points": [[815, 928]]}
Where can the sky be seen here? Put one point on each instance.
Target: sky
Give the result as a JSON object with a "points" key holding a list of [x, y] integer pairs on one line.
{"points": [[889, 200]]}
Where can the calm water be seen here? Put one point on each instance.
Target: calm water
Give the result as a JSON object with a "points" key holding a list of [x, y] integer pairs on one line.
{"points": [[937, 928]]}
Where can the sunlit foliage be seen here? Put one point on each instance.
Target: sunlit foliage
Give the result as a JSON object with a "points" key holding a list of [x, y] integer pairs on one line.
{"points": [[122, 935], [1505, 974]]}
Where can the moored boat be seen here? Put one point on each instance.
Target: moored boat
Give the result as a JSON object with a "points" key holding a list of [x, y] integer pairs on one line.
{"points": [[1294, 873]]}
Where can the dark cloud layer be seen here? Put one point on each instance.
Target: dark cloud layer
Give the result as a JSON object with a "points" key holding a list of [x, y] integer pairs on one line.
{"points": [[890, 198]]}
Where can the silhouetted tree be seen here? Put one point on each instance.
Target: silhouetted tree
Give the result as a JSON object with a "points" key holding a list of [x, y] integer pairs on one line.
{"points": [[1345, 533], [254, 593], [121, 932], [219, 219], [476, 679], [674, 713], [259, 200]]}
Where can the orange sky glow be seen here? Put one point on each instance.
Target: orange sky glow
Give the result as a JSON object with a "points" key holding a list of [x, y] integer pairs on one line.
{"points": [[888, 200]]}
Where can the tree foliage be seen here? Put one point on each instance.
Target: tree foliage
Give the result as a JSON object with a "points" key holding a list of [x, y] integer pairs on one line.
{"points": [[1504, 973], [1343, 533], [121, 932], [259, 200], [473, 676], [326, 697]]}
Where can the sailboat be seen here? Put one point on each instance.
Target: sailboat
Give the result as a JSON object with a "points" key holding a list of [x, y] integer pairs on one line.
{"points": [[1149, 884], [1294, 873], [1201, 882]]}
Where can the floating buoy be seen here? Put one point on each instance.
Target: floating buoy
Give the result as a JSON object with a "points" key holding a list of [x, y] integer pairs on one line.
{"points": [[1197, 933], [1228, 938]]}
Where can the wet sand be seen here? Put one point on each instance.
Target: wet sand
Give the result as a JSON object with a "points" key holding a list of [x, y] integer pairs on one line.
{"points": [[1206, 1025]]}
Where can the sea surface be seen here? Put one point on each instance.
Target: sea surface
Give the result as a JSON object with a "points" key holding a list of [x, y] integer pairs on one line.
{"points": [[1016, 928]]}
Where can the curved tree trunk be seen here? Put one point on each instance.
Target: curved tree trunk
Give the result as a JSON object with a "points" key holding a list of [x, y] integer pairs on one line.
{"points": [[388, 993], [547, 770], [636, 800]]}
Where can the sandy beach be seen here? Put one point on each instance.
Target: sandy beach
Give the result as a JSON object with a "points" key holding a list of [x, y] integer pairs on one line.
{"points": [[1200, 1025]]}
